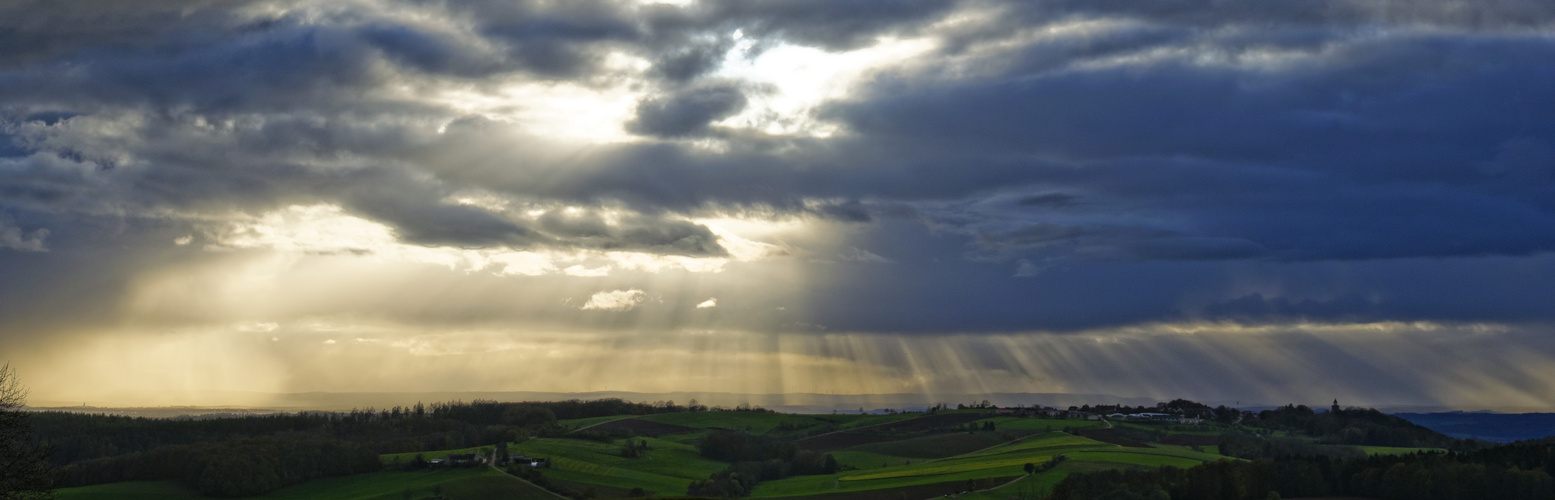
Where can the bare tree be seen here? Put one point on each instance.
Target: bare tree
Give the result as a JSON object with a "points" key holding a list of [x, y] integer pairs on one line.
{"points": [[24, 474]]}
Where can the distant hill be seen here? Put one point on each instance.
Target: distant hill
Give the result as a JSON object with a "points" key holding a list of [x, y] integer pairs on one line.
{"points": [[223, 402], [1495, 427]]}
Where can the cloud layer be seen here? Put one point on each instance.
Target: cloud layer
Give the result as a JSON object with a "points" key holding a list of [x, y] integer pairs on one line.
{"points": [[914, 168]]}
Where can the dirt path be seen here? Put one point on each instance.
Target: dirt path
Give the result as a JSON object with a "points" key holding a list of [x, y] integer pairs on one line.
{"points": [[602, 423], [493, 464]]}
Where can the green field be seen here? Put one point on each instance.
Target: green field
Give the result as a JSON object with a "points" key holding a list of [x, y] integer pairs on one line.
{"points": [[996, 462], [1131, 457], [137, 490], [1051, 443], [667, 468], [1032, 486], [470, 483]]}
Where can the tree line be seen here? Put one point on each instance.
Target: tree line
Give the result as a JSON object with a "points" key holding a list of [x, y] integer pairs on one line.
{"points": [[232, 468], [753, 459], [75, 437], [1515, 471]]}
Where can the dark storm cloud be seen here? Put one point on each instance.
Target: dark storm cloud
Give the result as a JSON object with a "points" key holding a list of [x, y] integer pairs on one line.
{"points": [[1074, 143], [687, 111]]}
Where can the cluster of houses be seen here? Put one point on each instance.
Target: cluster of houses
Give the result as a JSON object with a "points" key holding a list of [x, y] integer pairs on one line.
{"points": [[467, 459], [457, 460], [1110, 412], [535, 462], [1156, 417]]}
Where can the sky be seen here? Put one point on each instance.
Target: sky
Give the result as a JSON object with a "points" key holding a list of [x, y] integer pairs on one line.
{"points": [[206, 202]]}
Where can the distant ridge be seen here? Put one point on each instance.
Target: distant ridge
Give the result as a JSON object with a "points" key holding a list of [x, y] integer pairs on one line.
{"points": [[792, 403], [1486, 426]]}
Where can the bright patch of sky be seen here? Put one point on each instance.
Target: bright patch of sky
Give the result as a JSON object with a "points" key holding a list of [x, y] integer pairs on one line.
{"points": [[797, 79]]}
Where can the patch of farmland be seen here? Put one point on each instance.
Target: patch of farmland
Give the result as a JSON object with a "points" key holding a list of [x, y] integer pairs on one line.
{"points": [[856, 421], [941, 468], [748, 421], [579, 471], [863, 460], [1191, 440], [1130, 457], [1032, 486], [1111, 437], [579, 423], [930, 422], [844, 440], [890, 431], [934, 446], [1046, 443], [663, 458], [642, 427], [929, 490], [133, 490]]}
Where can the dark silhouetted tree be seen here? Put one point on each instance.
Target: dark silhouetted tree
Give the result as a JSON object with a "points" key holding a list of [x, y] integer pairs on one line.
{"points": [[24, 473]]}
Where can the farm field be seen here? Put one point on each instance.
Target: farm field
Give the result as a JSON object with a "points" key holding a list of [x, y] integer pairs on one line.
{"points": [[579, 423], [672, 462], [136, 490], [667, 467], [935, 446], [1132, 457]]}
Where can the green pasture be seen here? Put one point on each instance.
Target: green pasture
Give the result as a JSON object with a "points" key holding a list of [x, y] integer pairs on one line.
{"points": [[1050, 443], [136, 490], [1136, 458]]}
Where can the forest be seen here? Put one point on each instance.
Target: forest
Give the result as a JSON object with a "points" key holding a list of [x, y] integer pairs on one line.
{"points": [[1318, 457]]}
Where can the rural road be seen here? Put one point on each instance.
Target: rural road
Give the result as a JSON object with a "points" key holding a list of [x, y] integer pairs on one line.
{"points": [[493, 463]]}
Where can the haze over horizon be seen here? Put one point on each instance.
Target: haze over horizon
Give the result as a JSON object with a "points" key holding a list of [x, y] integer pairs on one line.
{"points": [[1286, 202]]}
